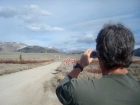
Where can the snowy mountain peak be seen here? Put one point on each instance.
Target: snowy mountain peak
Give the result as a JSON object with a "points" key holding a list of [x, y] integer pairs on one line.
{"points": [[50, 47]]}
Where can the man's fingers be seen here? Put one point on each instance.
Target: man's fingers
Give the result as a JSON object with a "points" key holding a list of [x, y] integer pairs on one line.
{"points": [[88, 51], [85, 58]]}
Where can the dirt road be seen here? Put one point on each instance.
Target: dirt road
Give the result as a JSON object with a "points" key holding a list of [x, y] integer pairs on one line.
{"points": [[28, 87]]}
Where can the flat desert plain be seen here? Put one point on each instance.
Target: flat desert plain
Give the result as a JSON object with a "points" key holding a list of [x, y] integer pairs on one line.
{"points": [[35, 84]]}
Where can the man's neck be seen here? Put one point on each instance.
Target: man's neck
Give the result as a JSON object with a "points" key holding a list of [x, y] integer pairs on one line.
{"points": [[118, 71]]}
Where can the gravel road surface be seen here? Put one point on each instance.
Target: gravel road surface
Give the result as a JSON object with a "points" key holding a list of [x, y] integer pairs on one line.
{"points": [[27, 87]]}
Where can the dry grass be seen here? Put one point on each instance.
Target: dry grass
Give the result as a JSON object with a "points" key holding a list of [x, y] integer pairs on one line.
{"points": [[7, 68], [10, 62], [35, 56]]}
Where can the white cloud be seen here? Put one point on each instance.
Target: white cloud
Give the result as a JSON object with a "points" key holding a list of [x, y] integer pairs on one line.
{"points": [[97, 24], [87, 38], [33, 28], [33, 13], [8, 12], [43, 27], [29, 13], [35, 10], [57, 28]]}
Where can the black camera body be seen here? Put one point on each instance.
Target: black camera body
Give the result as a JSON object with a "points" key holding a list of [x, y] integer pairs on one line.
{"points": [[93, 54]]}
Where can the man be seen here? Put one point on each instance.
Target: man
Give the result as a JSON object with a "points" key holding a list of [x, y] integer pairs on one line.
{"points": [[115, 48]]}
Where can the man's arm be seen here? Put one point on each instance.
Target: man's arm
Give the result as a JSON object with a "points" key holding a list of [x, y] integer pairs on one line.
{"points": [[65, 89]]}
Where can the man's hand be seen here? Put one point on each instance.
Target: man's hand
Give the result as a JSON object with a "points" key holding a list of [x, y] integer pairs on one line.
{"points": [[86, 59]]}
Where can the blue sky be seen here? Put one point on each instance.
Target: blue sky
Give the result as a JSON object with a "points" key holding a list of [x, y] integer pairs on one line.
{"points": [[65, 24]]}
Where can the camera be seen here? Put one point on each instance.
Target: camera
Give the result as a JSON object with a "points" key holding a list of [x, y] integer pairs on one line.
{"points": [[93, 54]]}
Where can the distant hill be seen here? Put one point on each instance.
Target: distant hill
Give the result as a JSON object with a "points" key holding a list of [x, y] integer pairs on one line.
{"points": [[137, 52], [30, 49], [11, 46], [53, 50], [39, 49], [21, 47]]}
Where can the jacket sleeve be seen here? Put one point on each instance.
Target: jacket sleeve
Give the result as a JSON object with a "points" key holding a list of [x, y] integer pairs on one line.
{"points": [[64, 91]]}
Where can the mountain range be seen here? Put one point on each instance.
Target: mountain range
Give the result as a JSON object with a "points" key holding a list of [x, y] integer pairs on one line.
{"points": [[39, 49], [21, 47]]}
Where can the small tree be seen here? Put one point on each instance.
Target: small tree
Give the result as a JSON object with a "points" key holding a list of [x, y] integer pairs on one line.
{"points": [[20, 57]]}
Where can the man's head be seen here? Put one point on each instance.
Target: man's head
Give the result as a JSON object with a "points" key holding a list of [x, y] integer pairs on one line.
{"points": [[115, 45]]}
